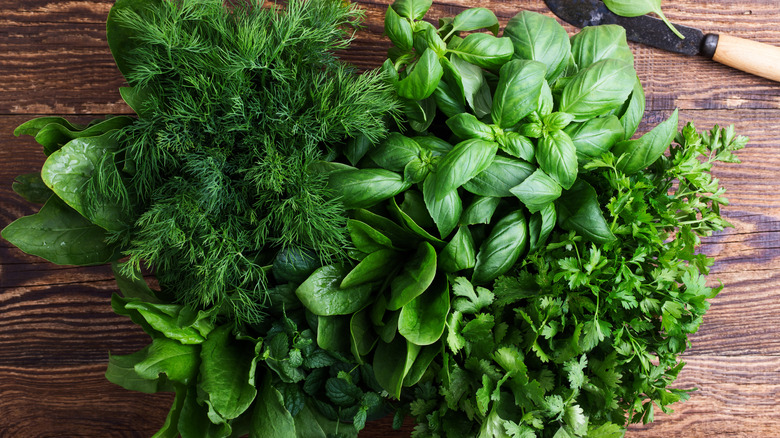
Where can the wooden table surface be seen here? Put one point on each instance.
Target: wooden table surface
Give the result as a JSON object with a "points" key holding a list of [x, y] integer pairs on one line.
{"points": [[57, 327]]}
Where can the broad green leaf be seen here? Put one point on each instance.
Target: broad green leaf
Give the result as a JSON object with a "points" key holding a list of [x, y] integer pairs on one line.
{"points": [[475, 19], [398, 29], [537, 191], [475, 87], [133, 286], [517, 93], [426, 37], [635, 8], [412, 9], [540, 226], [484, 50], [518, 146], [413, 227], [391, 373], [449, 100], [631, 117], [121, 371], [356, 148], [598, 89], [594, 43], [164, 319], [445, 210], [466, 126], [460, 253], [423, 78], [579, 210], [362, 335], [453, 79], [54, 135], [170, 428], [61, 235], [422, 320], [195, 419], [373, 267], [321, 294], [635, 155], [540, 38], [420, 113], [68, 171], [33, 126], [594, 137], [480, 211], [503, 247], [466, 160], [362, 188], [269, 416], [498, 179], [557, 157], [227, 372], [416, 277], [422, 363], [396, 234], [414, 206], [366, 238], [333, 333], [177, 361], [31, 187]]}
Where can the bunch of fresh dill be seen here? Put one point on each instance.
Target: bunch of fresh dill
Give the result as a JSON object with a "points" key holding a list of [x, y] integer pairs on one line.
{"points": [[235, 105]]}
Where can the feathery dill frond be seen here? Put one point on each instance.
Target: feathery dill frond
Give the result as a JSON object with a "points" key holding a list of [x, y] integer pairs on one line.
{"points": [[241, 102]]}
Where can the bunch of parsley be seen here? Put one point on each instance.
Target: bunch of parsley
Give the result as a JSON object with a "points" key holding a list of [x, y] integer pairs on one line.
{"points": [[582, 338]]}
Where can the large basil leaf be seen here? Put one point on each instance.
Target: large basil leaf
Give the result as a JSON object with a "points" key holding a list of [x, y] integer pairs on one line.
{"points": [[518, 146], [449, 99], [594, 137], [475, 86], [459, 254], [537, 191], [453, 79], [395, 152], [578, 210], [631, 117], [61, 235], [540, 226], [422, 320], [390, 374], [362, 188], [227, 372], [480, 211], [595, 43], [517, 94], [497, 180], [466, 160], [68, 171], [484, 50], [321, 294], [398, 29], [598, 89], [435, 145], [474, 19], [540, 38], [635, 155], [466, 126], [503, 247], [557, 157], [412, 9], [423, 79], [445, 210], [416, 277]]}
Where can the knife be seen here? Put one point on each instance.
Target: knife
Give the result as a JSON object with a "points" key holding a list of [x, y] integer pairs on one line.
{"points": [[749, 56]]}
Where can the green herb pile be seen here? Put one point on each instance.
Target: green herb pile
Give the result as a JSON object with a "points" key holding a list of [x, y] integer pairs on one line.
{"points": [[472, 235]]}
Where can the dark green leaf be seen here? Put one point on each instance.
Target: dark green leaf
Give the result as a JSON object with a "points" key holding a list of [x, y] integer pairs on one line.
{"points": [[373, 267], [594, 43], [475, 86], [579, 210], [366, 238], [484, 50], [466, 126], [466, 160], [412, 9], [269, 417], [475, 19], [391, 373], [540, 38], [594, 137], [177, 361], [557, 157], [121, 371], [362, 188], [634, 111], [480, 211], [61, 235], [598, 89], [321, 294], [333, 333], [459, 254], [518, 146], [362, 336], [537, 191], [422, 320], [503, 247], [499, 178], [416, 277], [398, 29], [635, 155], [445, 210], [517, 93], [423, 78], [540, 226], [31, 187], [227, 372]]}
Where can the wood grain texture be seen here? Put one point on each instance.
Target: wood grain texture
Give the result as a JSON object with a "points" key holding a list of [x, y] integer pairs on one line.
{"points": [[57, 327]]}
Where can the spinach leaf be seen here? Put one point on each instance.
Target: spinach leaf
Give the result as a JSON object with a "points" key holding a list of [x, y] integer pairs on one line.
{"points": [[422, 320], [391, 373], [269, 416], [321, 294], [373, 267], [417, 275], [179, 362], [61, 235], [31, 187]]}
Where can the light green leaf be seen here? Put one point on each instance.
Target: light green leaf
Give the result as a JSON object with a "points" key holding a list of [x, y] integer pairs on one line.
{"points": [[227, 372]]}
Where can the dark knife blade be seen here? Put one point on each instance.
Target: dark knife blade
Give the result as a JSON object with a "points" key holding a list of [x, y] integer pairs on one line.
{"points": [[643, 29]]}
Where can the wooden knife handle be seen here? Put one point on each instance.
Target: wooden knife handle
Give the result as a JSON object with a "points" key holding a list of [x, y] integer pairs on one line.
{"points": [[749, 56]]}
